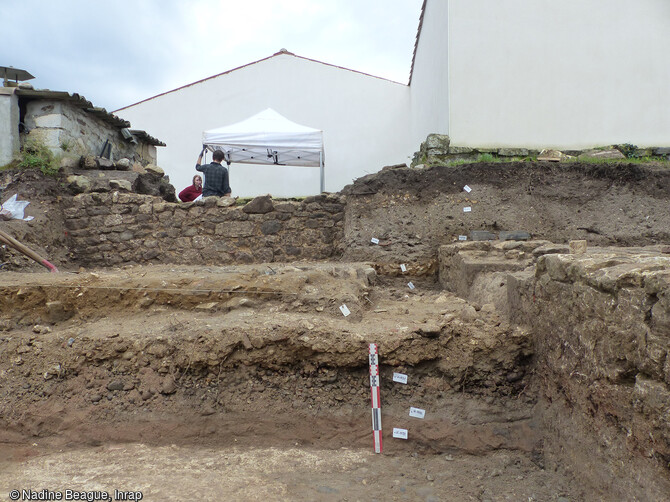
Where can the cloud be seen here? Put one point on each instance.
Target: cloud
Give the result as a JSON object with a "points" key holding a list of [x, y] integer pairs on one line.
{"points": [[117, 53]]}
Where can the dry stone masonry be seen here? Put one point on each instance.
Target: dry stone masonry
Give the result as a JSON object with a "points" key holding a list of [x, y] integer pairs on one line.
{"points": [[115, 228]]}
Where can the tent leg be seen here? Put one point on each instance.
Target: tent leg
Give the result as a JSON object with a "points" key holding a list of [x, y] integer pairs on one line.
{"points": [[323, 184]]}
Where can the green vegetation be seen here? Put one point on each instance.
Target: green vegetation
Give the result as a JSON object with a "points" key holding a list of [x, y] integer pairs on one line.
{"points": [[631, 160], [629, 151], [36, 155]]}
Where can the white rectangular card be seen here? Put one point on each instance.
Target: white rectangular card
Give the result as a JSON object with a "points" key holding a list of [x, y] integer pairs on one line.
{"points": [[345, 311], [400, 433], [374, 240], [467, 188], [403, 267], [411, 286], [467, 209], [462, 237], [400, 378], [417, 412]]}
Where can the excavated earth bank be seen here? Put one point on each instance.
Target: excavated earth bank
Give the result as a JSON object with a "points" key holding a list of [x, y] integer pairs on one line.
{"points": [[544, 374]]}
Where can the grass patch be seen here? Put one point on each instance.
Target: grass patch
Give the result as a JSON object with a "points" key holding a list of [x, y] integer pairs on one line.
{"points": [[631, 160], [36, 155]]}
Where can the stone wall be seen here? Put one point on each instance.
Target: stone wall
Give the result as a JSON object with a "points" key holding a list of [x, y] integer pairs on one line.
{"points": [[438, 150], [107, 229], [600, 323], [68, 129]]}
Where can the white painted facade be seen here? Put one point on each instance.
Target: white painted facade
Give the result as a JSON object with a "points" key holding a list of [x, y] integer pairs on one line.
{"points": [[573, 74], [365, 121], [543, 73], [9, 125]]}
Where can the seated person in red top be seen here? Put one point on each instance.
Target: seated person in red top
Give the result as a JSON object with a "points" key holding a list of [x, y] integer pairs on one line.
{"points": [[192, 192]]}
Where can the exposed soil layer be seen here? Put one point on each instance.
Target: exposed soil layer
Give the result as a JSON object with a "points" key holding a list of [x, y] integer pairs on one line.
{"points": [[247, 382], [227, 362], [414, 211]]}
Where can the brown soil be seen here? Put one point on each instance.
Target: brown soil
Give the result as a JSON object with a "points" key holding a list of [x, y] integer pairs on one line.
{"points": [[253, 365], [248, 383]]}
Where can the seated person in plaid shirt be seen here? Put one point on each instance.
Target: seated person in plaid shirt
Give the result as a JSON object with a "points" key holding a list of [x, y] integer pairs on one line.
{"points": [[216, 176]]}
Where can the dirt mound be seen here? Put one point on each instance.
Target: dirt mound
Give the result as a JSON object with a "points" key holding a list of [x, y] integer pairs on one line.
{"points": [[414, 211]]}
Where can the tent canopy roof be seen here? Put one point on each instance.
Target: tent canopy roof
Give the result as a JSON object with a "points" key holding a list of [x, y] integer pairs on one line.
{"points": [[267, 138]]}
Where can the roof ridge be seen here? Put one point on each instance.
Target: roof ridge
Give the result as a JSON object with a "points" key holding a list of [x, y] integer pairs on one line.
{"points": [[281, 52]]}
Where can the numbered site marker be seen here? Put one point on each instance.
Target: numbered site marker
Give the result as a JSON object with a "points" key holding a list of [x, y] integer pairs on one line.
{"points": [[403, 268], [467, 209], [345, 311], [410, 285], [467, 188], [376, 398], [462, 237], [417, 412], [400, 378], [399, 433], [374, 240]]}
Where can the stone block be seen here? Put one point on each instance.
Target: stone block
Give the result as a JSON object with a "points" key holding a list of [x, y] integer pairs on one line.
{"points": [[514, 235], [271, 227], [314, 198], [123, 164], [259, 205], [662, 151], [49, 120], [103, 163], [264, 255], [113, 220], [610, 153], [154, 169], [79, 184], [88, 162], [482, 235], [513, 152], [235, 229], [577, 247], [286, 207], [439, 141], [120, 185], [460, 150], [225, 202], [150, 254], [202, 241]]}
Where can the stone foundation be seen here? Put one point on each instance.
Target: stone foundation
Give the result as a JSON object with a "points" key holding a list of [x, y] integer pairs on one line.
{"points": [[107, 229]]}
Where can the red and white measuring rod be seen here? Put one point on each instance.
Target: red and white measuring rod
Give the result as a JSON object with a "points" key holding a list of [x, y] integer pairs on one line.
{"points": [[376, 400]]}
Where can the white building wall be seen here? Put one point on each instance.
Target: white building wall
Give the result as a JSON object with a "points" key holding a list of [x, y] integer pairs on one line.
{"points": [[9, 125], [365, 122], [540, 73], [430, 74]]}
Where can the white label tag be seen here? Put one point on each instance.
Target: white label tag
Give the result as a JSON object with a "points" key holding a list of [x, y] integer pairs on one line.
{"points": [[467, 188], [417, 412], [467, 209], [400, 433], [403, 267], [462, 237], [411, 286], [345, 311], [374, 240], [400, 378]]}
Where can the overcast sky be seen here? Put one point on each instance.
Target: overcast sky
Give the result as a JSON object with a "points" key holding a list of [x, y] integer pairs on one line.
{"points": [[119, 52]]}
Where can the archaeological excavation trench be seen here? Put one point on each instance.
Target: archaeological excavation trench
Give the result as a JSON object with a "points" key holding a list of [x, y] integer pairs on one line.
{"points": [[543, 372]]}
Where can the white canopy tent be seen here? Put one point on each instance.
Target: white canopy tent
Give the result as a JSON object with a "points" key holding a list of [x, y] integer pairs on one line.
{"points": [[268, 138]]}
